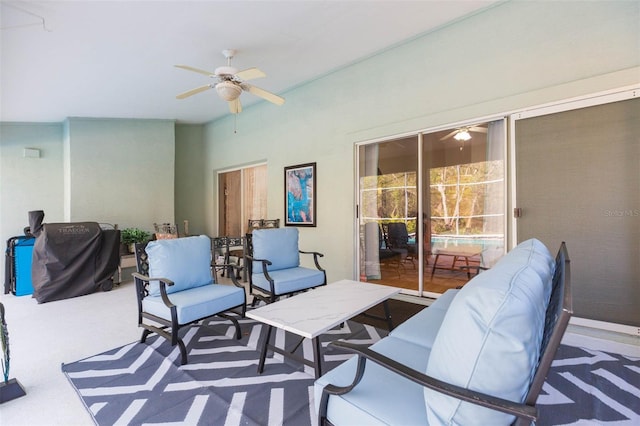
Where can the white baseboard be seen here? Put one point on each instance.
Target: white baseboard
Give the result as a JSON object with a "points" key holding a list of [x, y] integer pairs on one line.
{"points": [[582, 322], [412, 299], [608, 326]]}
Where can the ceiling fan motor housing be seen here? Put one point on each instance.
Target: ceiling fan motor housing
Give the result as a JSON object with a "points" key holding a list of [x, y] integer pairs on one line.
{"points": [[225, 71], [231, 83]]}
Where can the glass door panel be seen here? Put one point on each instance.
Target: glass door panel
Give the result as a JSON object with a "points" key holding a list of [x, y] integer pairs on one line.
{"points": [[463, 202], [242, 195], [388, 209], [254, 194]]}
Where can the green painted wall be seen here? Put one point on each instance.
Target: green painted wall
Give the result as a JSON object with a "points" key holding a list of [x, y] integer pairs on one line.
{"points": [[189, 178], [122, 171], [513, 56], [30, 183], [99, 170]]}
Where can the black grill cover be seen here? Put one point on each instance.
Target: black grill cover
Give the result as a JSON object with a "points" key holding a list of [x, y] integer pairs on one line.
{"points": [[35, 222], [73, 259]]}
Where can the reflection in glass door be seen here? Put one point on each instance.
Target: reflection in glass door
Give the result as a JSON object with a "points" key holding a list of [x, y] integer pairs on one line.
{"points": [[388, 209], [446, 210], [463, 202]]}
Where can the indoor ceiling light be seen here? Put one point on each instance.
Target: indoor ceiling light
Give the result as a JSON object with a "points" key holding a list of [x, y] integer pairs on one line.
{"points": [[228, 91], [462, 135]]}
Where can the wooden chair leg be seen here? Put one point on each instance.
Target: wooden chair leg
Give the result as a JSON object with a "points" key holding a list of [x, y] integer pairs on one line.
{"points": [[433, 268]]}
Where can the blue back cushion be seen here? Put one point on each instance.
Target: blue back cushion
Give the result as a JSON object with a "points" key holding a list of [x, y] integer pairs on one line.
{"points": [[490, 338], [280, 246], [185, 261]]}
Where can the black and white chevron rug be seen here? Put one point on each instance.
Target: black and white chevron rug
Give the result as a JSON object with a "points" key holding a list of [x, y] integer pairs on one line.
{"points": [[144, 384]]}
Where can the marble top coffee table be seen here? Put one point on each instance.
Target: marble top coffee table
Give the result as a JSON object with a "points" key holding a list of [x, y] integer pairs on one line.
{"points": [[314, 312]]}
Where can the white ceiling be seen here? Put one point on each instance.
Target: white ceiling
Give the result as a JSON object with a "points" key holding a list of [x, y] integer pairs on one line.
{"points": [[115, 59]]}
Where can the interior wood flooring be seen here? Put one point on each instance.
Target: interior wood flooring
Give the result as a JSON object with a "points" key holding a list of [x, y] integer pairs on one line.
{"points": [[405, 275]]}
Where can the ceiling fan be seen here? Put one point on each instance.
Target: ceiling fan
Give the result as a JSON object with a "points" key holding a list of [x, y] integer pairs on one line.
{"points": [[231, 83], [464, 133]]}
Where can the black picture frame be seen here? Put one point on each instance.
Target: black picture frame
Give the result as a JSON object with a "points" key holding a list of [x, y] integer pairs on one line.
{"points": [[300, 195]]}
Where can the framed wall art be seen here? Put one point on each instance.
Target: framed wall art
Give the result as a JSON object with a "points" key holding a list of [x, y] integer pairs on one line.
{"points": [[300, 195]]}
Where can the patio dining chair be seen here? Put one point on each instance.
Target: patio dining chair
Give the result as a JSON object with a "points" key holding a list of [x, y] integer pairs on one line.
{"points": [[398, 238]]}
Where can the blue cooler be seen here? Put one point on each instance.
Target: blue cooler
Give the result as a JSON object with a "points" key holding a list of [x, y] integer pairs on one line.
{"points": [[20, 250]]}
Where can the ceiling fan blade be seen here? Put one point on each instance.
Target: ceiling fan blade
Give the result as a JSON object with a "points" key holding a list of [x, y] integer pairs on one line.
{"points": [[250, 74], [268, 96], [478, 129], [198, 70], [235, 106], [194, 91], [449, 135]]}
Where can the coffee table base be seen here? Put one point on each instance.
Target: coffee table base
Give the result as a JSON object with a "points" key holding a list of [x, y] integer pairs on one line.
{"points": [[316, 363]]}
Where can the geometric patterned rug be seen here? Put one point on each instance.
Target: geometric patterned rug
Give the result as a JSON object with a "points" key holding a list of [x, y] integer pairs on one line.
{"points": [[144, 383], [588, 387]]}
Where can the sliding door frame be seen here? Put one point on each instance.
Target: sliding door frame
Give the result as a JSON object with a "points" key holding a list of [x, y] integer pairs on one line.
{"points": [[419, 179]]}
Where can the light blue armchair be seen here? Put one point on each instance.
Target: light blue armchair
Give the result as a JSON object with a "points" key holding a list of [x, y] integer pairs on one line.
{"points": [[175, 287], [274, 265]]}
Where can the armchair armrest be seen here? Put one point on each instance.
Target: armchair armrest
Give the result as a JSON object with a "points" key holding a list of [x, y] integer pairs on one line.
{"points": [[164, 282], [316, 255], [230, 271], [255, 259], [520, 410], [265, 263]]}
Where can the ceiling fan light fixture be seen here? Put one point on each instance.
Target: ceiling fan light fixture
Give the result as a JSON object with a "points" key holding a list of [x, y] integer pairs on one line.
{"points": [[228, 91], [462, 135]]}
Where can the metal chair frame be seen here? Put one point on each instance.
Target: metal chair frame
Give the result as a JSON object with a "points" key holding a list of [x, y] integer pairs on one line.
{"points": [[169, 329]]}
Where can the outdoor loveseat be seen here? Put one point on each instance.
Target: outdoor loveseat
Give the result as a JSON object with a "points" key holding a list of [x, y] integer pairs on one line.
{"points": [[476, 356]]}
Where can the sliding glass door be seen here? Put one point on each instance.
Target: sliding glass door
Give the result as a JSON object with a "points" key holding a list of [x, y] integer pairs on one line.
{"points": [[463, 202], [388, 194], [242, 195], [425, 195], [578, 181]]}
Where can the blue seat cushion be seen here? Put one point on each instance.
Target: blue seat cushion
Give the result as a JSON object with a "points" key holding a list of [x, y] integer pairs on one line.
{"points": [[382, 397], [423, 327], [196, 303], [279, 246], [489, 340], [289, 280], [185, 261]]}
